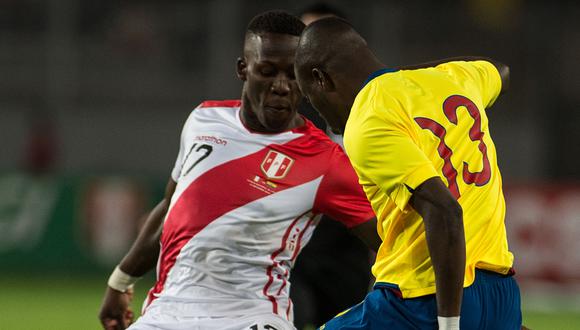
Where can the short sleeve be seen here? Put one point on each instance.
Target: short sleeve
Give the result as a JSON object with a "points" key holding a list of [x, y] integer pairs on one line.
{"points": [[340, 196], [176, 172], [483, 73], [385, 154]]}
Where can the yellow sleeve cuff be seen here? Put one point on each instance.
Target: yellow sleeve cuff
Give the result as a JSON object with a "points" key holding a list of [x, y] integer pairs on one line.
{"points": [[401, 194], [420, 175]]}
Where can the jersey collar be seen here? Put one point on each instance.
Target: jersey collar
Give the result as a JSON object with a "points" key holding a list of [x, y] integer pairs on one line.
{"points": [[378, 73]]}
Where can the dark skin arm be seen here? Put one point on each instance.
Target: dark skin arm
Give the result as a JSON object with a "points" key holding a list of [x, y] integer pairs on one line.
{"points": [[367, 232], [141, 258], [443, 220], [144, 253], [504, 70]]}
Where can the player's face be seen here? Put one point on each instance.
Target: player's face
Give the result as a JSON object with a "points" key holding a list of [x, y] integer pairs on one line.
{"points": [[271, 94], [324, 96]]}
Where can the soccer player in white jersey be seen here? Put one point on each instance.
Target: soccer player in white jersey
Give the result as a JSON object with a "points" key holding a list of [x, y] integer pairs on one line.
{"points": [[252, 178]]}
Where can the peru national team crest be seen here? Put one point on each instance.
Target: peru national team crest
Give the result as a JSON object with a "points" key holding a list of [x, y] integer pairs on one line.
{"points": [[276, 165]]}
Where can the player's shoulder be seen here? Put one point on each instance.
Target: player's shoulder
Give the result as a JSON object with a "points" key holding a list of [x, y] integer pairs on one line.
{"points": [[221, 104], [316, 141], [315, 134], [216, 108], [213, 110], [380, 102], [222, 107], [470, 69]]}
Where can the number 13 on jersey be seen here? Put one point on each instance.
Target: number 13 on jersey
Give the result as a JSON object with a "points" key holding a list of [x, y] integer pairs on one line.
{"points": [[450, 108]]}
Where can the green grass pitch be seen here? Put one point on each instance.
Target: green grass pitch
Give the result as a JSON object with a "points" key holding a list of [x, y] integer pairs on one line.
{"points": [[36, 303]]}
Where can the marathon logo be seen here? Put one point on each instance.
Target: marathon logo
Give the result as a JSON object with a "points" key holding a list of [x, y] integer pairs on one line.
{"points": [[211, 139]]}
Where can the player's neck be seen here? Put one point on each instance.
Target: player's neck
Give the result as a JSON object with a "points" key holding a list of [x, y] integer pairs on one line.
{"points": [[365, 69], [358, 75], [252, 123]]}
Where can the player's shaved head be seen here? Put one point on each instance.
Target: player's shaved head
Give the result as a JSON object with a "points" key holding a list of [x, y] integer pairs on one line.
{"points": [[332, 61], [329, 43]]}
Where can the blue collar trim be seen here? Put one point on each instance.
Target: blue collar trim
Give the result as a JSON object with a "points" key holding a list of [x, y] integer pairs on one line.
{"points": [[376, 74]]}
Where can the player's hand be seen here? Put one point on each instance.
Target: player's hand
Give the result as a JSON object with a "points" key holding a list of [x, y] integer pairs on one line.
{"points": [[115, 313]]}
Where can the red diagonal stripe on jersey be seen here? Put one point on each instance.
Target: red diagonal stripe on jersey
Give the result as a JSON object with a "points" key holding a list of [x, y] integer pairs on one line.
{"points": [[225, 188]]}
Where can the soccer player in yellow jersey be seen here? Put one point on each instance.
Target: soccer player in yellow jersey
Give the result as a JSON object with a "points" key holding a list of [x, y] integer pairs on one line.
{"points": [[419, 140]]}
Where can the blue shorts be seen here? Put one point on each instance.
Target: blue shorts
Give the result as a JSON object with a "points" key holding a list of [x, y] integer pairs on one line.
{"points": [[491, 302]]}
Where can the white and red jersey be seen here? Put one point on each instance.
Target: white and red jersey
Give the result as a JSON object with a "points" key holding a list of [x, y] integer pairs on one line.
{"points": [[245, 204]]}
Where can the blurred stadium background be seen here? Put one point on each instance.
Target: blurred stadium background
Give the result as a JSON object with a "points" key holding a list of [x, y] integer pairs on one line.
{"points": [[93, 95]]}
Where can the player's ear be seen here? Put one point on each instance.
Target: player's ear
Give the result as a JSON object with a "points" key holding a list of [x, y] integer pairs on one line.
{"points": [[242, 69], [322, 80]]}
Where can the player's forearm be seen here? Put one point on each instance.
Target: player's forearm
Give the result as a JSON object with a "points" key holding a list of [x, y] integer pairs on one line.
{"points": [[443, 220], [144, 253], [367, 232], [446, 242]]}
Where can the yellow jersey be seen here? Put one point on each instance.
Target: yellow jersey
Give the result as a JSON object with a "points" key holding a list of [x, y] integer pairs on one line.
{"points": [[411, 125]]}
